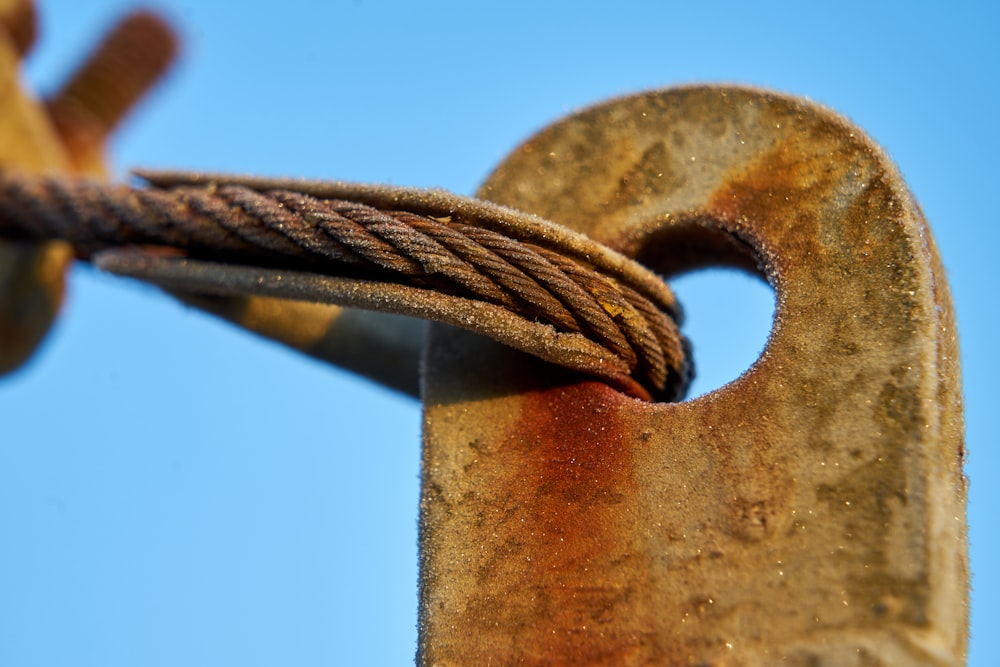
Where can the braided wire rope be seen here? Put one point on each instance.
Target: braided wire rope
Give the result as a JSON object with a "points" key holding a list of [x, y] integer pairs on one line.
{"points": [[461, 249]]}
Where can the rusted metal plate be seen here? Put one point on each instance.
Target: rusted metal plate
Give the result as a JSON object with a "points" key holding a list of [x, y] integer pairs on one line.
{"points": [[812, 512]]}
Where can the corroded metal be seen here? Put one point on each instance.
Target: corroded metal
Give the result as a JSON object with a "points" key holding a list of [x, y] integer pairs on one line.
{"points": [[521, 280], [812, 512], [31, 276], [809, 513], [66, 137], [19, 22], [131, 58]]}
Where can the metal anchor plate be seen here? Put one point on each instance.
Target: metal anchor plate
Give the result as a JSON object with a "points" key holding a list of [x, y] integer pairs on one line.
{"points": [[809, 513]]}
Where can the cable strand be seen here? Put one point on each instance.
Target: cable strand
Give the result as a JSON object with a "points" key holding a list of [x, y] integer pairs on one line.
{"points": [[455, 250]]}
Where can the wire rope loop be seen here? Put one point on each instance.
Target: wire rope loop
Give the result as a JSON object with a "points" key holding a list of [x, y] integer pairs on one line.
{"points": [[551, 280]]}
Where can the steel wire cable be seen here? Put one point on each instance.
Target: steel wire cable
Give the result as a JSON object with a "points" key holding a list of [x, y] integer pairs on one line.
{"points": [[455, 247]]}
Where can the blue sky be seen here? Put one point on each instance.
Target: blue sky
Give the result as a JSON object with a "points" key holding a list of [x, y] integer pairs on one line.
{"points": [[174, 491]]}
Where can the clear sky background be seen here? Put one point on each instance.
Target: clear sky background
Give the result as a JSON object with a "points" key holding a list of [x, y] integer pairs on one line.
{"points": [[174, 491]]}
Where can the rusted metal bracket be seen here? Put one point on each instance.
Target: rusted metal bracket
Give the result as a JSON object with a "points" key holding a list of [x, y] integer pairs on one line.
{"points": [[65, 134], [809, 513], [31, 277]]}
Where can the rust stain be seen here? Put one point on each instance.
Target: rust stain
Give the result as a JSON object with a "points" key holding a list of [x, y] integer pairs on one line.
{"points": [[578, 487], [555, 580]]}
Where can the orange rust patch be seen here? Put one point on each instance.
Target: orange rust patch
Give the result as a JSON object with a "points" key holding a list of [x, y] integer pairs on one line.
{"points": [[558, 583]]}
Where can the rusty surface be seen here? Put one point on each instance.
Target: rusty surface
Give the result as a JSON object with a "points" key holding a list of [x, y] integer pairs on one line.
{"points": [[31, 276], [20, 22], [533, 286], [93, 101], [812, 512], [67, 136], [809, 513]]}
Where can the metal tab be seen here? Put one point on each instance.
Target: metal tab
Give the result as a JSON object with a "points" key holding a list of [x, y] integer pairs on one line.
{"points": [[812, 512]]}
